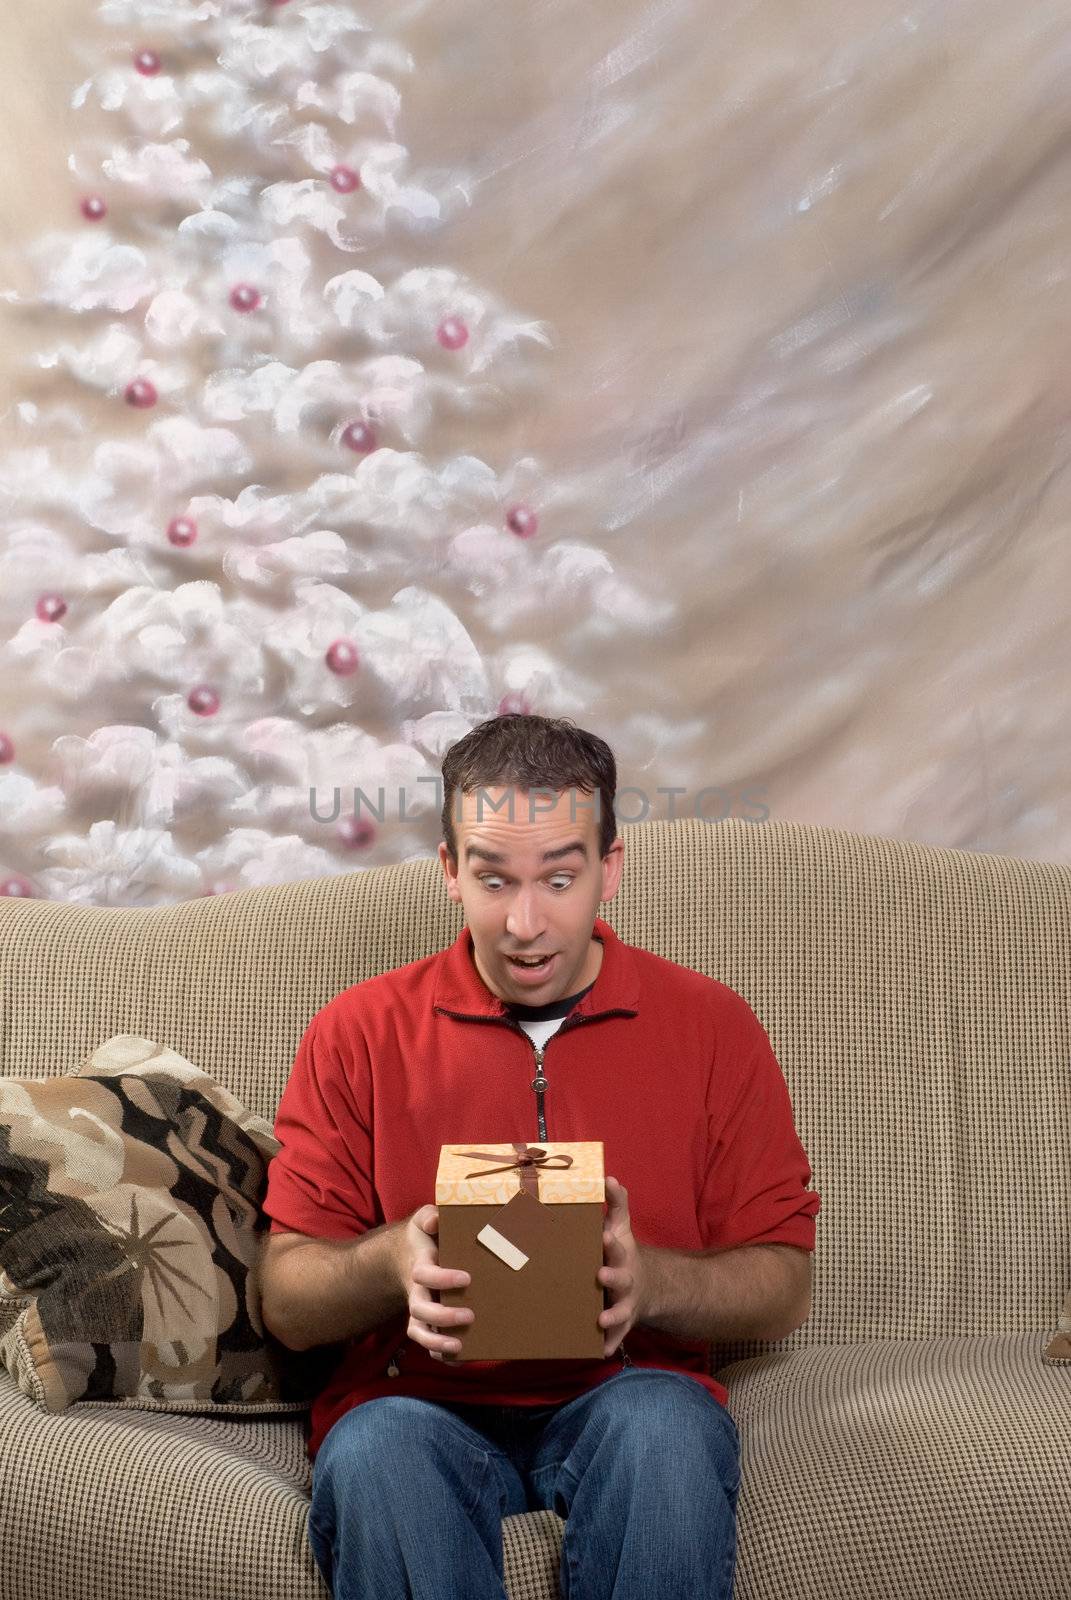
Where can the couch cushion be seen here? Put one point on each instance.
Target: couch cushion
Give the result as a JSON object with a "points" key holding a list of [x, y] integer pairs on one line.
{"points": [[914, 1469], [108, 1504], [129, 1239]]}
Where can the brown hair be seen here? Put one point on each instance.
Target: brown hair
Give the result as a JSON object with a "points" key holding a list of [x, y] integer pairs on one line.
{"points": [[531, 752]]}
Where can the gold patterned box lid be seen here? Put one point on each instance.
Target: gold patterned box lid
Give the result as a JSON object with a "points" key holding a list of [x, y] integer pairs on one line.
{"points": [[582, 1180]]}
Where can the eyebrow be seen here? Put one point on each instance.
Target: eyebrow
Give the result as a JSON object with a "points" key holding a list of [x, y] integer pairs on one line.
{"points": [[497, 860]]}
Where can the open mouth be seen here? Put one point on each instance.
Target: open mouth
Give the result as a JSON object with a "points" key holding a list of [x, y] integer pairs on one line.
{"points": [[530, 963]]}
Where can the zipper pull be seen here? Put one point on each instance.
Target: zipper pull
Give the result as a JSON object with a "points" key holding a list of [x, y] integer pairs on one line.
{"points": [[539, 1083]]}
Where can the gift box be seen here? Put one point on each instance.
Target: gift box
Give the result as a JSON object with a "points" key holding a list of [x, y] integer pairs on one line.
{"points": [[526, 1223]]}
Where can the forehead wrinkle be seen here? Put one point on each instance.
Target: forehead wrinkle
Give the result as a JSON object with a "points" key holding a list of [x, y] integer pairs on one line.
{"points": [[499, 836], [575, 847]]}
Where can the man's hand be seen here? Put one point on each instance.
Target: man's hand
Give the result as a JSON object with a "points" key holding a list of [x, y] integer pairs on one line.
{"points": [[422, 1278], [622, 1270]]}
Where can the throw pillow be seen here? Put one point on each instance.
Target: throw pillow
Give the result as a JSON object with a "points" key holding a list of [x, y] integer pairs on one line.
{"points": [[130, 1227]]}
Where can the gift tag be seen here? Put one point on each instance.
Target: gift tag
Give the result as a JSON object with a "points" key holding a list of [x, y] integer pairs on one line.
{"points": [[517, 1231]]}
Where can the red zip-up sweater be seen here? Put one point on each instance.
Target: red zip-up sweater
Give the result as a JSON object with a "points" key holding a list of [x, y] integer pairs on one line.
{"points": [[671, 1070]]}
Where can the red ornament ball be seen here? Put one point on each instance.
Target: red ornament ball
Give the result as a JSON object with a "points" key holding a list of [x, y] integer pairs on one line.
{"points": [[93, 208], [452, 333], [244, 297], [16, 888], [51, 607], [7, 749], [360, 437], [204, 700], [522, 521], [147, 63], [141, 393], [514, 704], [182, 531], [342, 657], [344, 179], [357, 832]]}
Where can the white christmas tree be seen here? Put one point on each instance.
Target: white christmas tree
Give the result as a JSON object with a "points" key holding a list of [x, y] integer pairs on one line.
{"points": [[237, 575]]}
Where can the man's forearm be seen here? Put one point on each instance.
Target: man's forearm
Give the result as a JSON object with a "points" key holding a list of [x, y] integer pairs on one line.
{"points": [[329, 1291], [746, 1293]]}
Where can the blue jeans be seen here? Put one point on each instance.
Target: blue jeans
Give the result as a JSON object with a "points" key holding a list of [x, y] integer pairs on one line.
{"points": [[408, 1495]]}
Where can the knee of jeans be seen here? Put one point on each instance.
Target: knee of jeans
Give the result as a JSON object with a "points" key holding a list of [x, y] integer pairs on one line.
{"points": [[384, 1451], [375, 1432], [670, 1410], [390, 1422]]}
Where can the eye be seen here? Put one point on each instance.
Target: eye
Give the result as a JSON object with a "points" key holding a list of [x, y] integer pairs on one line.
{"points": [[488, 879], [560, 881]]}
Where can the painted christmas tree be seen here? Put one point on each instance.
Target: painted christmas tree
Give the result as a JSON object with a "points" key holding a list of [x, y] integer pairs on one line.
{"points": [[247, 566]]}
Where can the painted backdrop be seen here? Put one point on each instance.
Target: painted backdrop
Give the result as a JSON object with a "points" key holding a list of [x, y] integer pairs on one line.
{"points": [[697, 375]]}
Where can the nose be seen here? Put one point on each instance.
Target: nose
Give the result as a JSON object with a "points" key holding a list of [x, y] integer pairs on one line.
{"points": [[523, 921]]}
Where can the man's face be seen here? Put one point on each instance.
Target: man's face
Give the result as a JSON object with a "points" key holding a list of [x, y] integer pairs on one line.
{"points": [[530, 885]]}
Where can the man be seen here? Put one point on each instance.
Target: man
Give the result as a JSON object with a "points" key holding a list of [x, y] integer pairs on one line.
{"points": [[416, 1458]]}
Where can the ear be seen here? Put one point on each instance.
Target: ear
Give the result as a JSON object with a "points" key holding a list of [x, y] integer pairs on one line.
{"points": [[453, 888], [612, 863]]}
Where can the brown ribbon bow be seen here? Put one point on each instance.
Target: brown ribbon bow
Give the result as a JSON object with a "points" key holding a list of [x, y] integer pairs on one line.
{"points": [[529, 1159]]}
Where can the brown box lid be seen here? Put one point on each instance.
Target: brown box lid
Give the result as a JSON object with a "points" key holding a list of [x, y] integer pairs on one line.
{"points": [[465, 1178]]}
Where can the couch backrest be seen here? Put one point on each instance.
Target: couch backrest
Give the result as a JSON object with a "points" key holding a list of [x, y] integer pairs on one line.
{"points": [[916, 997]]}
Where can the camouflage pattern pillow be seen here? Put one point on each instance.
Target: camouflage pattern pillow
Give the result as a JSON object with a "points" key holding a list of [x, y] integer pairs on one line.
{"points": [[130, 1226]]}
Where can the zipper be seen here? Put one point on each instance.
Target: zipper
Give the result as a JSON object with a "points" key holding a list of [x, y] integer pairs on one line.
{"points": [[540, 1086], [539, 1082]]}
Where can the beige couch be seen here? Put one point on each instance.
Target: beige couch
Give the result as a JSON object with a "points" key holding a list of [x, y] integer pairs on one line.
{"points": [[910, 1440]]}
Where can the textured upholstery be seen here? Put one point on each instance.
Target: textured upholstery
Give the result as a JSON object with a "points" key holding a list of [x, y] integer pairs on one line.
{"points": [[908, 1440]]}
